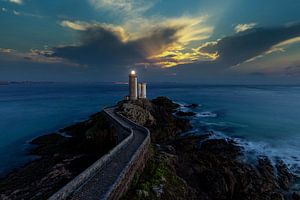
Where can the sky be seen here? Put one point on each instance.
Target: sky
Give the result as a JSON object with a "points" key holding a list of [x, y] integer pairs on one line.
{"points": [[190, 41]]}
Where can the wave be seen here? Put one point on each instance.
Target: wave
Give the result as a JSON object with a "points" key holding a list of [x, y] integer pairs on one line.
{"points": [[206, 114], [252, 149]]}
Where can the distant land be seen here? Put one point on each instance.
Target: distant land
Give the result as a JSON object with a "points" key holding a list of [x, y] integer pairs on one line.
{"points": [[23, 82]]}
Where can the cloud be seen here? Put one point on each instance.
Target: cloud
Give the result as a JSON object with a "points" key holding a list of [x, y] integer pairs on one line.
{"points": [[134, 26], [163, 43], [284, 44], [168, 44], [5, 50], [242, 47], [280, 47], [293, 70], [83, 26], [33, 56], [19, 2], [257, 74], [243, 27], [104, 46], [77, 25], [16, 12], [126, 8]]}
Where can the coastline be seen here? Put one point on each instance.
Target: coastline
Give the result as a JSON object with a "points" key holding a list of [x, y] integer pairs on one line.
{"points": [[217, 157], [62, 156], [208, 166]]}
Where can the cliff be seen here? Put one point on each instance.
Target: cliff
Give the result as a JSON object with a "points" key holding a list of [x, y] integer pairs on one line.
{"points": [[196, 167]]}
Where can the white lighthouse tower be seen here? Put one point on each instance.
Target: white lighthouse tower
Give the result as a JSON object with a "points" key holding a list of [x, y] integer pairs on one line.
{"points": [[142, 92], [136, 90], [133, 93]]}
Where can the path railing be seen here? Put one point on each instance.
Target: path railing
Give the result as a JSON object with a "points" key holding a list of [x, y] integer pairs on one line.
{"points": [[122, 180]]}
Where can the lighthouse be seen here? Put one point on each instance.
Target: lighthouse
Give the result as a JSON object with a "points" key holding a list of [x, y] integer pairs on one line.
{"points": [[142, 91], [133, 93], [136, 90]]}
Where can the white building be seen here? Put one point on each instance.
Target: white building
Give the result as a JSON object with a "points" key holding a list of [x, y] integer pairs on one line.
{"points": [[136, 90], [133, 93]]}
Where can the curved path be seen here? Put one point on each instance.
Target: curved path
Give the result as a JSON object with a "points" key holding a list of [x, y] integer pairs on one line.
{"points": [[102, 183]]}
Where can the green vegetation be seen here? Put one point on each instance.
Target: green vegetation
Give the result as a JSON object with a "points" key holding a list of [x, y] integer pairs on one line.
{"points": [[158, 180]]}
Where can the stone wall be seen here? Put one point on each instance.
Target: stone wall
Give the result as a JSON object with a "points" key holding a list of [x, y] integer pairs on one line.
{"points": [[136, 164], [125, 136]]}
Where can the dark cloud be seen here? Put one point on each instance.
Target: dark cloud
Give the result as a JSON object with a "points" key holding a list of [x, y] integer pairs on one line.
{"points": [[293, 70], [104, 48], [258, 74], [106, 52], [238, 48]]}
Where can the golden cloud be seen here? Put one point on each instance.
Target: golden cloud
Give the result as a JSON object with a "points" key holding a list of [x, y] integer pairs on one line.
{"points": [[175, 50]]}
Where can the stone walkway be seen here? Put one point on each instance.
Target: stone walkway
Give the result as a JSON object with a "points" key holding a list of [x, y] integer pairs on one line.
{"points": [[97, 186]]}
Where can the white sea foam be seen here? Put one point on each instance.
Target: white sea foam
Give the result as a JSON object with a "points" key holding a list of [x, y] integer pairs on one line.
{"points": [[206, 114], [252, 149]]}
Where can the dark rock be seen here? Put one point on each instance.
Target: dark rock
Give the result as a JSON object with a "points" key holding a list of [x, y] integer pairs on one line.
{"points": [[285, 178], [183, 114], [53, 138], [157, 115], [166, 103], [221, 147], [60, 159], [296, 196], [213, 167]]}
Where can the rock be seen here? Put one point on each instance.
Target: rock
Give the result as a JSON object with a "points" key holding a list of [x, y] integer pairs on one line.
{"points": [[221, 147], [156, 115], [61, 158], [166, 103], [296, 195], [137, 114], [53, 138], [183, 114], [285, 178], [170, 149], [142, 193], [158, 190], [214, 168]]}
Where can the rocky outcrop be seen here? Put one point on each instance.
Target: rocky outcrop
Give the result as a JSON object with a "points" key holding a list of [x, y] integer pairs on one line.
{"points": [[159, 180], [60, 159], [210, 169], [215, 169], [137, 114], [157, 115]]}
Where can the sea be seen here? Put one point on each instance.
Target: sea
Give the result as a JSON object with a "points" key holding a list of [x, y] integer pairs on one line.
{"points": [[264, 120]]}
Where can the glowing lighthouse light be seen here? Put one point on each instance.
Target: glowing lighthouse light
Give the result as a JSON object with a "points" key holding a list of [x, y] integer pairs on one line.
{"points": [[136, 91], [133, 93]]}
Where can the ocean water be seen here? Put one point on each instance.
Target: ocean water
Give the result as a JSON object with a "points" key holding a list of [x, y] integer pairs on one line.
{"points": [[263, 119]]}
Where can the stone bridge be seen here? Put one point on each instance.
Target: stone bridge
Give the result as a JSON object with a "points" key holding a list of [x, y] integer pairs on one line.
{"points": [[110, 176]]}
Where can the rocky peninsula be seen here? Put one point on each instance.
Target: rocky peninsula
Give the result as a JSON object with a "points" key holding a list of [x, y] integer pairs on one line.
{"points": [[179, 167], [62, 156], [197, 167]]}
